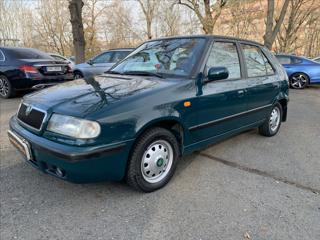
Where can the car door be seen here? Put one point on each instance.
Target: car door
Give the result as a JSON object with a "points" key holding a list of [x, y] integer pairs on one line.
{"points": [[263, 83], [102, 63], [222, 102]]}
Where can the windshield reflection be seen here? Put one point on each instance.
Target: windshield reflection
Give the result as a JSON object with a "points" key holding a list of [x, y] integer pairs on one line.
{"points": [[166, 57]]}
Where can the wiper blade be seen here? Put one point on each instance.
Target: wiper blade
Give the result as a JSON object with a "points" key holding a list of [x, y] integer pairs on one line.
{"points": [[144, 73], [112, 72]]}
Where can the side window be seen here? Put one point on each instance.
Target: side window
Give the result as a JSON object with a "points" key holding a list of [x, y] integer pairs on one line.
{"points": [[119, 56], [225, 54], [1, 56], [257, 64], [295, 60], [103, 58], [284, 60]]}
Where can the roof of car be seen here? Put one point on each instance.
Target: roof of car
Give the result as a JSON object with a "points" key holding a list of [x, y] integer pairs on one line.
{"points": [[15, 48], [207, 36], [120, 49], [291, 55]]}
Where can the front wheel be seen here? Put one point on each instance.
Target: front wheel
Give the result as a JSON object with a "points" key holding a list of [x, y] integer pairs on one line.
{"points": [[153, 160], [272, 125]]}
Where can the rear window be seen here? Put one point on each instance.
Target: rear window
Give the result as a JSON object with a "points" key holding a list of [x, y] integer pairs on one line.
{"points": [[28, 54]]}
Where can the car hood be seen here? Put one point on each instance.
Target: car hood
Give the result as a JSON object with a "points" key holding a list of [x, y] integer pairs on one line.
{"points": [[84, 96]]}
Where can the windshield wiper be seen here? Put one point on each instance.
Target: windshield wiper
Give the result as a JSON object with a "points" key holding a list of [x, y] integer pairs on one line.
{"points": [[144, 73], [112, 72]]}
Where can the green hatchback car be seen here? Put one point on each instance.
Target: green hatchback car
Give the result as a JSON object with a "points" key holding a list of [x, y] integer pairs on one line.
{"points": [[168, 98]]}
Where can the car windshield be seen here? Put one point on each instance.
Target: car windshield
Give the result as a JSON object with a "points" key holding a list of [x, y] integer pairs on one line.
{"points": [[166, 57], [25, 53]]}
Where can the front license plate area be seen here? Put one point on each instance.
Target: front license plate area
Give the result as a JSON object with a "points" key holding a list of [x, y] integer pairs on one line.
{"points": [[21, 144], [54, 69]]}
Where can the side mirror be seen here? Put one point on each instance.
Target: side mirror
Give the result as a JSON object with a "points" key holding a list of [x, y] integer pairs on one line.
{"points": [[217, 73], [90, 62]]}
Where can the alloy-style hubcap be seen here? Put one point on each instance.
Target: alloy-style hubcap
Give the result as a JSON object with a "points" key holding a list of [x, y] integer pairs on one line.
{"points": [[157, 161], [4, 87], [298, 81], [274, 119]]}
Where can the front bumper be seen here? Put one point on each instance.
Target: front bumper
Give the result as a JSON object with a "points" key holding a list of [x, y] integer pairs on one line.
{"points": [[77, 164]]}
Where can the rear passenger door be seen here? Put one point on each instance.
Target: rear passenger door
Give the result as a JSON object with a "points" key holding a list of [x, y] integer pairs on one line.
{"points": [[263, 83], [222, 102]]}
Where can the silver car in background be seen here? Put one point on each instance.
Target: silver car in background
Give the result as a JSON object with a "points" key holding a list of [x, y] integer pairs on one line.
{"points": [[59, 57], [100, 63]]}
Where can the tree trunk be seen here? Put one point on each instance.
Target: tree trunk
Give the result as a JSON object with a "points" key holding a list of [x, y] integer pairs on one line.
{"points": [[271, 29], [75, 8]]}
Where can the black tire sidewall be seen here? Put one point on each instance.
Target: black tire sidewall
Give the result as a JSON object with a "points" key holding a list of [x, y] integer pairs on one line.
{"points": [[272, 133], [140, 148], [77, 73]]}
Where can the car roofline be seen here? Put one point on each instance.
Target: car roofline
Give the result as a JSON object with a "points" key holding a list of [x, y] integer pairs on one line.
{"points": [[118, 49], [206, 36]]}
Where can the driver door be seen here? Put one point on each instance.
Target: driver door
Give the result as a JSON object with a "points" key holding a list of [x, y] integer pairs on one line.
{"points": [[222, 103]]}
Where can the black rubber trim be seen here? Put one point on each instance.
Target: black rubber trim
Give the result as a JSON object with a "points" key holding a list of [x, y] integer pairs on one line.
{"points": [[75, 157], [217, 121]]}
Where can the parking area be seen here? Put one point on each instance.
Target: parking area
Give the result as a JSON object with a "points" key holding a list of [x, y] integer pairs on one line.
{"points": [[247, 187]]}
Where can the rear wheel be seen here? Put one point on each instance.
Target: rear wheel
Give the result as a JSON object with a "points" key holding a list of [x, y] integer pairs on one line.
{"points": [[153, 160], [6, 90], [272, 125], [299, 80]]}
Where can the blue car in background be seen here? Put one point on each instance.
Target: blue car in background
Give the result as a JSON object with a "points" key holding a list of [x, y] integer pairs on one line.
{"points": [[301, 71]]}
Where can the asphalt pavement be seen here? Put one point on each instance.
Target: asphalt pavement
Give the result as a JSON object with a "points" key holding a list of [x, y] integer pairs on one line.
{"points": [[247, 187]]}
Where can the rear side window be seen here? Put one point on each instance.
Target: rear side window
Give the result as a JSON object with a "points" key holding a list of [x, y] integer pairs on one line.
{"points": [[295, 60], [117, 56], [25, 53], [284, 60], [2, 58], [225, 54], [257, 64]]}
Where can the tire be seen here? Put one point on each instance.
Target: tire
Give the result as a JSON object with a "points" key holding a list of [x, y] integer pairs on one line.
{"points": [[272, 125], [6, 89], [153, 160], [77, 75], [299, 80]]}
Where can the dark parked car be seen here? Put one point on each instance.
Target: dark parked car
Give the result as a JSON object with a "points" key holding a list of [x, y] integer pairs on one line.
{"points": [[301, 71], [25, 68], [168, 98], [100, 63]]}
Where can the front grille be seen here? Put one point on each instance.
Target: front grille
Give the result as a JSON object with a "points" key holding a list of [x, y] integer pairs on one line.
{"points": [[31, 116]]}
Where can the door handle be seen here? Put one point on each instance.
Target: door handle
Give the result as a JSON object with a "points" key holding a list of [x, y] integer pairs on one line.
{"points": [[241, 93]]}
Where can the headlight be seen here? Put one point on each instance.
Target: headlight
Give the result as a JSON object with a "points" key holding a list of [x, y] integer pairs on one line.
{"points": [[73, 127]]}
